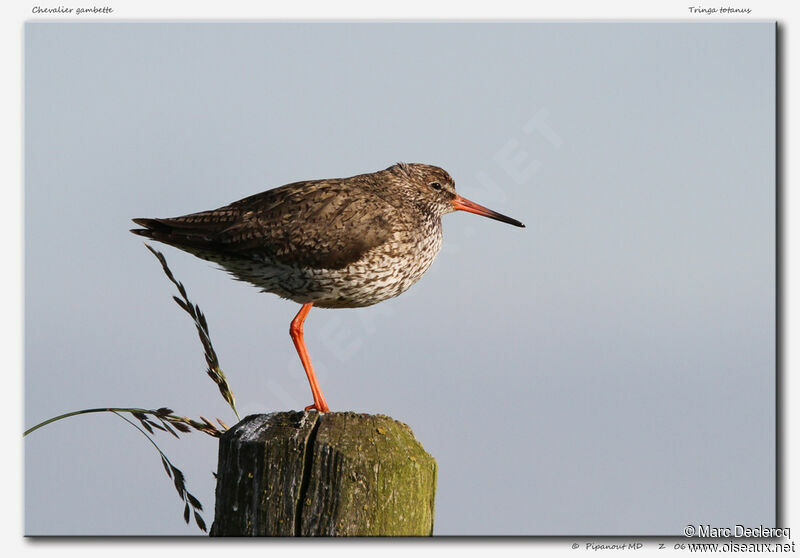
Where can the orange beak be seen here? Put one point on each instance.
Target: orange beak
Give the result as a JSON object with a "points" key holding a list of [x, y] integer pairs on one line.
{"points": [[463, 204]]}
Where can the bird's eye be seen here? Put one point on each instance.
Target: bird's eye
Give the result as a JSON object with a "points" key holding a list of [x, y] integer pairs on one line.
{"points": [[436, 186]]}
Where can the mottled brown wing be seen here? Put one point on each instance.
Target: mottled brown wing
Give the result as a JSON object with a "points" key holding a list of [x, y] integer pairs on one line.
{"points": [[315, 223]]}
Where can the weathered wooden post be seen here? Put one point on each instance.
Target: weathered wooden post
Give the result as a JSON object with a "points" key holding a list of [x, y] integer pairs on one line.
{"points": [[307, 474]]}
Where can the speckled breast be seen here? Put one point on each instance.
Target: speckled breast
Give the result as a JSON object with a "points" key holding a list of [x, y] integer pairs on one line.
{"points": [[383, 272]]}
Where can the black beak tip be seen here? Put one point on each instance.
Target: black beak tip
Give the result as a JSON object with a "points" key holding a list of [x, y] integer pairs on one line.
{"points": [[510, 221]]}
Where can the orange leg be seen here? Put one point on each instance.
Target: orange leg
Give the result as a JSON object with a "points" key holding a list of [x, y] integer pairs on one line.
{"points": [[296, 331]]}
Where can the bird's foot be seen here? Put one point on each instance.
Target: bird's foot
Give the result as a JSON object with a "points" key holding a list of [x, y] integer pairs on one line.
{"points": [[323, 408]]}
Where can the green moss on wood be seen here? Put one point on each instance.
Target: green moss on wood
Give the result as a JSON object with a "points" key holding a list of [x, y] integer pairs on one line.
{"points": [[333, 474]]}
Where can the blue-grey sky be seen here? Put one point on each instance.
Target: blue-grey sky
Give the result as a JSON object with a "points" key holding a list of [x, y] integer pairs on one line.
{"points": [[610, 369]]}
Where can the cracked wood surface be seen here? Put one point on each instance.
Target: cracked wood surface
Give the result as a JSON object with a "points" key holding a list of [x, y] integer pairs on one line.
{"points": [[335, 474]]}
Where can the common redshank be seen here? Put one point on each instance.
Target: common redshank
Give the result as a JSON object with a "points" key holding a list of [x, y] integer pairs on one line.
{"points": [[337, 243]]}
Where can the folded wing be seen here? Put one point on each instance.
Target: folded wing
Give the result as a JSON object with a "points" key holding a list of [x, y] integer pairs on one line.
{"points": [[315, 223]]}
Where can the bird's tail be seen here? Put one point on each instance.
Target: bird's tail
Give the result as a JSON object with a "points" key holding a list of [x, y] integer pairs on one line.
{"points": [[183, 233], [151, 225], [156, 229]]}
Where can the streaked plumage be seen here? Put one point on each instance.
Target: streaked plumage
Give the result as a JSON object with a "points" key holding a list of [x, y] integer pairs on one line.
{"points": [[337, 243]]}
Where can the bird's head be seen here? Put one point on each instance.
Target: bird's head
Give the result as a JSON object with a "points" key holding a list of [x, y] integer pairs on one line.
{"points": [[435, 191]]}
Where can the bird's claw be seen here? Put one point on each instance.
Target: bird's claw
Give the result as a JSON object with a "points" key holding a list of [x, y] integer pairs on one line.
{"points": [[322, 408]]}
